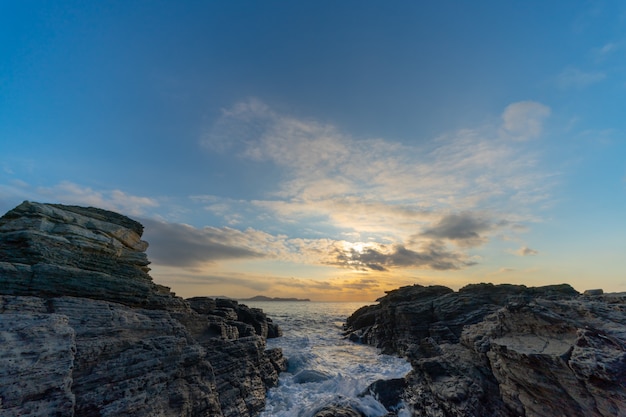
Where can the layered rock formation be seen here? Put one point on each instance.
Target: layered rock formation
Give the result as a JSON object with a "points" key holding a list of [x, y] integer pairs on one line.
{"points": [[84, 331], [503, 350]]}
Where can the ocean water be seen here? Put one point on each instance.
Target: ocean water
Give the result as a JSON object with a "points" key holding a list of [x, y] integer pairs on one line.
{"points": [[324, 367]]}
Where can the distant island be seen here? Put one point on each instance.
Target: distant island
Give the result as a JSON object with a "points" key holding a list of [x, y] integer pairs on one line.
{"points": [[264, 298]]}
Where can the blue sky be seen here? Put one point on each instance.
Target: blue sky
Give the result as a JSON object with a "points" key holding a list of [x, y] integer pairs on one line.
{"points": [[329, 149]]}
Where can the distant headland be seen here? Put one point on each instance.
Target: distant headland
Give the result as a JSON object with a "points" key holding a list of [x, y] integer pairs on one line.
{"points": [[264, 298]]}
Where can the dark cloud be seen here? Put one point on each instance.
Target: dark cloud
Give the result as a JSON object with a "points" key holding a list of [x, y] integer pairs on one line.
{"points": [[464, 229], [376, 267], [181, 245], [433, 255]]}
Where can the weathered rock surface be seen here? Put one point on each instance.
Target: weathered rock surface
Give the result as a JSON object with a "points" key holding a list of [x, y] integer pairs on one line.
{"points": [[503, 350], [84, 331]]}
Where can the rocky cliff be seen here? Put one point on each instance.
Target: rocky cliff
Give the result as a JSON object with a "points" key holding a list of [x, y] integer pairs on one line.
{"points": [[503, 350], [84, 331]]}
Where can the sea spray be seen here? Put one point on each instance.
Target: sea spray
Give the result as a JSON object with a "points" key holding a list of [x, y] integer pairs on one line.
{"points": [[324, 367]]}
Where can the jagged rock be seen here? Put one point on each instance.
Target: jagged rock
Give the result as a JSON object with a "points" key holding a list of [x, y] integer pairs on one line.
{"points": [[504, 350], [232, 310], [85, 331]]}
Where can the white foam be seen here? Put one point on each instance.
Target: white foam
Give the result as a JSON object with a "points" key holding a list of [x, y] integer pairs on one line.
{"points": [[313, 343]]}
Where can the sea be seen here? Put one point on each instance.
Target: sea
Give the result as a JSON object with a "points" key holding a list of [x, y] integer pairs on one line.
{"points": [[324, 366]]}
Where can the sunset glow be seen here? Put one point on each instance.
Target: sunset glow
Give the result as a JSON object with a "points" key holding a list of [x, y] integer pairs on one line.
{"points": [[329, 150]]}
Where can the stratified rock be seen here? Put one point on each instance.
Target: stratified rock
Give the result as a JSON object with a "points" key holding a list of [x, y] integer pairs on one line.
{"points": [[504, 350], [52, 362], [49, 250], [85, 331]]}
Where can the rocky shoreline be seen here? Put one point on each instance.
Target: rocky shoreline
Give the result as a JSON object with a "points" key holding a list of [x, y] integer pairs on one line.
{"points": [[84, 331], [501, 350]]}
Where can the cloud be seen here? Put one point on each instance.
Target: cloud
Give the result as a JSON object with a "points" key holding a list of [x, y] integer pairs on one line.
{"points": [[221, 206], [328, 173], [238, 125], [67, 192], [355, 213], [502, 271], [524, 120], [464, 229], [409, 199], [575, 78], [350, 286], [179, 245], [186, 246], [607, 49], [116, 200], [431, 255], [526, 251]]}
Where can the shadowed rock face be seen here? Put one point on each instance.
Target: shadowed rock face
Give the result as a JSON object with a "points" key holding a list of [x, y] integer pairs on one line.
{"points": [[85, 331], [503, 350]]}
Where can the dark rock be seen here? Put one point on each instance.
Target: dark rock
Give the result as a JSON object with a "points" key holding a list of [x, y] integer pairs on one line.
{"points": [[85, 331], [387, 392], [503, 350]]}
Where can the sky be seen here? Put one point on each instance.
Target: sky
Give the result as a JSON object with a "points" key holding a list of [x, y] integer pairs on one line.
{"points": [[330, 150]]}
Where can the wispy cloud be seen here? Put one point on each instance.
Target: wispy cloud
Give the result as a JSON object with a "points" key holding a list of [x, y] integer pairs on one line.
{"points": [[576, 78], [116, 200], [524, 120], [375, 186], [525, 251], [607, 50], [67, 192], [404, 207]]}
